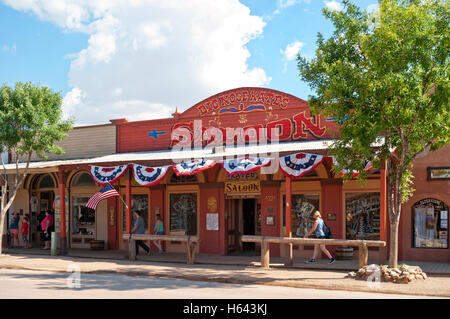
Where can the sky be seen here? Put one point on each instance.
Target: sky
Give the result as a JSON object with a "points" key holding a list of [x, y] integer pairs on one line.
{"points": [[140, 59]]}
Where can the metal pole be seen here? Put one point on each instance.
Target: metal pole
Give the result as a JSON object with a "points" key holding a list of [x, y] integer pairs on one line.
{"points": [[53, 244]]}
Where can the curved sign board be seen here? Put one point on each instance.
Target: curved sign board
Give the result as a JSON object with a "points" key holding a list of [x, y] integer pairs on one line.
{"points": [[238, 115]]}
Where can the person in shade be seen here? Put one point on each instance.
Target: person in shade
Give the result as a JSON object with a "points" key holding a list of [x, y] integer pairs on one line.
{"points": [[24, 230], [14, 229], [318, 230], [47, 228], [139, 228], [159, 230]]}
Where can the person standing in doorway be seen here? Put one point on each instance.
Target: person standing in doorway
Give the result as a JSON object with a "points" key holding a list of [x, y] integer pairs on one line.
{"points": [[46, 226], [318, 230], [14, 229], [159, 230], [24, 231], [139, 228]]}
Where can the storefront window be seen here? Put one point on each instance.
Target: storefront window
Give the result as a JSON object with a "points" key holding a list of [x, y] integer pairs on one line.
{"points": [[83, 218], [430, 224], [183, 213], [138, 202], [362, 216], [303, 207], [47, 182], [83, 179]]}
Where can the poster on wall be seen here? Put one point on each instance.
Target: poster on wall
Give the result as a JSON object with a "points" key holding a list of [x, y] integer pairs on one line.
{"points": [[444, 214], [212, 221], [58, 214]]}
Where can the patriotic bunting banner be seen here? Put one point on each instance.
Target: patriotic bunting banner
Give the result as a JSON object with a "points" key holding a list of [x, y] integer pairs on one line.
{"points": [[149, 176], [244, 165], [193, 167], [367, 167], [105, 175], [106, 192], [297, 165]]}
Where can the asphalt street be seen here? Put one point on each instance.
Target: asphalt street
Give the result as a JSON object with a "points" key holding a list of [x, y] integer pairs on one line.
{"points": [[26, 284]]}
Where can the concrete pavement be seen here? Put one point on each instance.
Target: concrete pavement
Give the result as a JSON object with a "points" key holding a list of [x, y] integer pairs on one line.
{"points": [[437, 286], [26, 284]]}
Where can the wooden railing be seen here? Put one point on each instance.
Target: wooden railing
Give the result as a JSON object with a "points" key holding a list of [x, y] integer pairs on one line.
{"points": [[191, 243], [266, 240]]}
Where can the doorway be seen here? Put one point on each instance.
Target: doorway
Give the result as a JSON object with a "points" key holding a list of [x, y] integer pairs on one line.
{"points": [[241, 220]]}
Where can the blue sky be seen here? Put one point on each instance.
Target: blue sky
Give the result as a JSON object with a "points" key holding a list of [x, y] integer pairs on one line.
{"points": [[139, 59]]}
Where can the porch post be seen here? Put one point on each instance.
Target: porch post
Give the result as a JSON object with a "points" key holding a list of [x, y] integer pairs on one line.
{"points": [[383, 206], [128, 200], [288, 257], [62, 212]]}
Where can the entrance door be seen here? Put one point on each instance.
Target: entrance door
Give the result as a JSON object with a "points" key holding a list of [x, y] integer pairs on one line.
{"points": [[241, 220], [248, 219], [233, 225]]}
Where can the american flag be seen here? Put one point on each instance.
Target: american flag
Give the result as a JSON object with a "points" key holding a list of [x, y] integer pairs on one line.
{"points": [[106, 192]]}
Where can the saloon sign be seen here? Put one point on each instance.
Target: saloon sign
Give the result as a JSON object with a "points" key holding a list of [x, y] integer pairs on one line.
{"points": [[297, 127], [260, 98], [242, 187]]}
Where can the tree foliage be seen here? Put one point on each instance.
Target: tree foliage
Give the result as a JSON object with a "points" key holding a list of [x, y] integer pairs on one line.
{"points": [[386, 75], [30, 122]]}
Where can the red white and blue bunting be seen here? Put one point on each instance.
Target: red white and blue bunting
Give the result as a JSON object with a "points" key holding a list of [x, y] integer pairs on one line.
{"points": [[193, 167], [149, 176], [105, 175], [297, 165], [244, 165], [367, 167]]}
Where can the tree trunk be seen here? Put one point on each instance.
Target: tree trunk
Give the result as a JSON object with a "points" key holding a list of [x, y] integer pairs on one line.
{"points": [[2, 226], [393, 244]]}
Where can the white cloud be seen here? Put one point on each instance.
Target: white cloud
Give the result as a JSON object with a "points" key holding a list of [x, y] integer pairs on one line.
{"points": [[9, 49], [144, 57], [290, 53], [333, 5]]}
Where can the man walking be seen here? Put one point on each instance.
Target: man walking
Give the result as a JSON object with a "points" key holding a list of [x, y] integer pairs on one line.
{"points": [[139, 228]]}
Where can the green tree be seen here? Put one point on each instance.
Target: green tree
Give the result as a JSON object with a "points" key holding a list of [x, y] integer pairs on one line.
{"points": [[30, 122], [386, 76]]}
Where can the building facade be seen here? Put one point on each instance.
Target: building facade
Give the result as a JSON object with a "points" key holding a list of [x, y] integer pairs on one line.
{"points": [[219, 207]]}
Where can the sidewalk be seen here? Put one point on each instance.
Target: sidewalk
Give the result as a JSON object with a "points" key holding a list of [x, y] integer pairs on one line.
{"points": [[234, 272], [430, 268]]}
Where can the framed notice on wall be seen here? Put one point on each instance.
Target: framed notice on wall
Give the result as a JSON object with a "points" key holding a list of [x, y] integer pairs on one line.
{"points": [[212, 221]]}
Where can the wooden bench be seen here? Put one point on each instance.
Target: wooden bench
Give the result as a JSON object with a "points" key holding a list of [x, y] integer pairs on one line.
{"points": [[266, 240], [191, 243]]}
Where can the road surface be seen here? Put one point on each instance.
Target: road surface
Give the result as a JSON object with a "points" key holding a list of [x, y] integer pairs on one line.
{"points": [[27, 284]]}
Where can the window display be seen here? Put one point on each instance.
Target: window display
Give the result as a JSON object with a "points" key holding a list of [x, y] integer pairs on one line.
{"points": [[83, 218], [362, 216], [138, 202], [183, 213], [430, 224], [303, 207]]}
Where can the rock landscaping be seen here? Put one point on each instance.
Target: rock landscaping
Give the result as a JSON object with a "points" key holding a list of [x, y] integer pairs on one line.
{"points": [[402, 275]]}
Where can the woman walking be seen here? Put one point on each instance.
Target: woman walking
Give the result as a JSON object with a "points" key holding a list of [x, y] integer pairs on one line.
{"points": [[318, 230], [159, 230]]}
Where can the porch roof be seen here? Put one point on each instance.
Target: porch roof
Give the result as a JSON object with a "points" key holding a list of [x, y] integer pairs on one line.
{"points": [[176, 156]]}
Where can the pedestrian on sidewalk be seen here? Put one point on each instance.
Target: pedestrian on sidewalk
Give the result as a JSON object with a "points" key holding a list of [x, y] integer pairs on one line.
{"points": [[24, 232], [14, 229], [47, 226], [318, 230], [139, 228], [159, 230]]}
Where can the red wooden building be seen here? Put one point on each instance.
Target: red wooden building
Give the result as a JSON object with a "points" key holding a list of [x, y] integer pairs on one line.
{"points": [[219, 207]]}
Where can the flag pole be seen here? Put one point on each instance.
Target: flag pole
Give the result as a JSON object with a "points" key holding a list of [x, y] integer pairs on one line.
{"points": [[120, 198]]}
